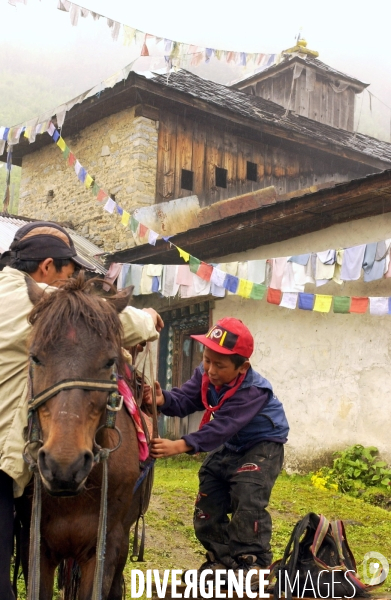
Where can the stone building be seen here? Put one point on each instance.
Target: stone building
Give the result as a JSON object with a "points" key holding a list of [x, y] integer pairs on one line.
{"points": [[154, 139]]}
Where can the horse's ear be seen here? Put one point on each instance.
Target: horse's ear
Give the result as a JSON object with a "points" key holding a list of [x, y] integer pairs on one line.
{"points": [[121, 300], [34, 291]]}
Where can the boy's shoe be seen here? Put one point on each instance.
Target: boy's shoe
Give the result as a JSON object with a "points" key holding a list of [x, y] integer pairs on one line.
{"points": [[246, 562], [211, 563]]}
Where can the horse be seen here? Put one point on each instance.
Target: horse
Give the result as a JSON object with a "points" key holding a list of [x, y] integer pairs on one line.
{"points": [[76, 335]]}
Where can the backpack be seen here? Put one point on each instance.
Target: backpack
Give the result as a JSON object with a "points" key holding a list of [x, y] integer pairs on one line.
{"points": [[320, 564]]}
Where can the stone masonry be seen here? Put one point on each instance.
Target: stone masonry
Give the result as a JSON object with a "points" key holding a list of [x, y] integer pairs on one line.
{"points": [[120, 152]]}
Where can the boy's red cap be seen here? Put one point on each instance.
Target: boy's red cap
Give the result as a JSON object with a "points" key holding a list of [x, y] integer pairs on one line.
{"points": [[228, 336]]}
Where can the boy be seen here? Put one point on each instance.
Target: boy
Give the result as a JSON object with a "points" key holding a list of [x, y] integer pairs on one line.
{"points": [[246, 437]]}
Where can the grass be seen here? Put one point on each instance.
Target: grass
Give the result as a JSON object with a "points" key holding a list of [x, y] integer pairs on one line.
{"points": [[170, 540]]}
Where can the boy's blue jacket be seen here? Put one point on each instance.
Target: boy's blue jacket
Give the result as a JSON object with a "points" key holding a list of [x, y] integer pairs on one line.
{"points": [[253, 414]]}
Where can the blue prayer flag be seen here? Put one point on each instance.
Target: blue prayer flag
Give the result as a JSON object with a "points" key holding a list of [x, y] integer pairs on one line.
{"points": [[306, 301], [231, 283]]}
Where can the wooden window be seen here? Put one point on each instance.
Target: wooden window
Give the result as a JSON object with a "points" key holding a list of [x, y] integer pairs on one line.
{"points": [[221, 177], [252, 171], [187, 180]]}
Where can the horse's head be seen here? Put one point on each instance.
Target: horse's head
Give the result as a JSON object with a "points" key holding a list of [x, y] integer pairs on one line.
{"points": [[76, 335]]}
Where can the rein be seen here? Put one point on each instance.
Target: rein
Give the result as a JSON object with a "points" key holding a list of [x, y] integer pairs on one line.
{"points": [[114, 404]]}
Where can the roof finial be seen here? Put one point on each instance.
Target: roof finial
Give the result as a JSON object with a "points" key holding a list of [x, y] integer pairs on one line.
{"points": [[301, 46]]}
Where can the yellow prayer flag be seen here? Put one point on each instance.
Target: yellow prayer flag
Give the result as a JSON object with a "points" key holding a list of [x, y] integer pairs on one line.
{"points": [[322, 303], [125, 218], [88, 181], [61, 143], [27, 132], [183, 254], [244, 288]]}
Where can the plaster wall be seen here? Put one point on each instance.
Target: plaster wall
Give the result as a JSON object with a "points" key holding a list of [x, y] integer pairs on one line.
{"points": [[120, 151], [331, 371]]}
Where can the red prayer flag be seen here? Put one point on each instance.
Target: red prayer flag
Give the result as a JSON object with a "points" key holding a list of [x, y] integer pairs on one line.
{"points": [[144, 50], [142, 230], [71, 159], [101, 195], [205, 271], [274, 296], [359, 304]]}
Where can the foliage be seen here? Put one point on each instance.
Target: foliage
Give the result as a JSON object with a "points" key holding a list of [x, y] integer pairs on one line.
{"points": [[354, 470]]}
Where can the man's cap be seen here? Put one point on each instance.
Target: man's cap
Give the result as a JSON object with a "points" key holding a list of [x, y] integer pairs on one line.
{"points": [[41, 240], [228, 336]]}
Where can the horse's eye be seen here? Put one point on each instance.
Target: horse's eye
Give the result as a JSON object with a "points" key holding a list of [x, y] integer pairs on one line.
{"points": [[35, 360], [109, 363]]}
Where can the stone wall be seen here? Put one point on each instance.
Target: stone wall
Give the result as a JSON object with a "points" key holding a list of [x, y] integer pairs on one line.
{"points": [[120, 151]]}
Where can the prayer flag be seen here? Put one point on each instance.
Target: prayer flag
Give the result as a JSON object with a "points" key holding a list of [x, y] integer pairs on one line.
{"points": [[120, 210], [231, 283], [95, 189], [152, 237], [274, 296], [110, 205], [61, 143], [204, 271], [289, 300], [378, 306], [359, 304], [71, 159], [101, 195], [322, 303], [182, 253], [82, 174], [306, 301], [142, 230], [66, 153], [341, 304], [133, 224], [88, 181], [51, 129], [194, 264], [56, 136], [77, 167], [258, 291], [125, 218], [244, 288]]}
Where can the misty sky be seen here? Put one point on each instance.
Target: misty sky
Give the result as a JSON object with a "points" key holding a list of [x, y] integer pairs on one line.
{"points": [[351, 36]]}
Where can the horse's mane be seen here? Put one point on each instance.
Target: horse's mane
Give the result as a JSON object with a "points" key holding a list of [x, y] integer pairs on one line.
{"points": [[76, 299]]}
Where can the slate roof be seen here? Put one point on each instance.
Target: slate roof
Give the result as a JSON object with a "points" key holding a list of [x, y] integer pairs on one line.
{"points": [[305, 60], [259, 109]]}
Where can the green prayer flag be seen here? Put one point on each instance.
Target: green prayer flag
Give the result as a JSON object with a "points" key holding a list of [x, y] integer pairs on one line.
{"points": [[194, 264], [66, 152], [95, 188], [133, 224], [258, 291], [341, 304]]}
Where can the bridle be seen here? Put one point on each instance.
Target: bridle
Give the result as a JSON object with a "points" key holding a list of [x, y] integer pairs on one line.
{"points": [[114, 405]]}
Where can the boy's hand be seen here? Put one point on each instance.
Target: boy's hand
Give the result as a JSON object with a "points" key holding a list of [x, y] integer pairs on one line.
{"points": [[147, 395], [161, 448]]}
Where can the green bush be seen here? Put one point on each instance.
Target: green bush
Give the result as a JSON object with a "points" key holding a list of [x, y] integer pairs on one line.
{"points": [[356, 469]]}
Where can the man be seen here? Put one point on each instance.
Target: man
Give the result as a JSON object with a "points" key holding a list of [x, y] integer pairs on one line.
{"points": [[45, 252]]}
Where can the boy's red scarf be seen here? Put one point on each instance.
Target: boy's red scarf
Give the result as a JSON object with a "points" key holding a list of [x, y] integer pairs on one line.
{"points": [[204, 390]]}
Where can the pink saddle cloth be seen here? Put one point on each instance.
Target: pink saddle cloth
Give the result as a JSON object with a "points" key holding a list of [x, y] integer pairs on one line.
{"points": [[134, 412]]}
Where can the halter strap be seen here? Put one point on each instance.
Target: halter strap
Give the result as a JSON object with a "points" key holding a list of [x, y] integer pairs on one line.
{"points": [[98, 385]]}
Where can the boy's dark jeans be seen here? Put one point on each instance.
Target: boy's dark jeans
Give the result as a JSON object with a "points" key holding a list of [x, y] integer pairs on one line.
{"points": [[237, 483]]}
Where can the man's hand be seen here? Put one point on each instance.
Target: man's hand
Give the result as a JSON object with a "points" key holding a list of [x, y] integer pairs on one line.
{"points": [[161, 448], [147, 395], [157, 320]]}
